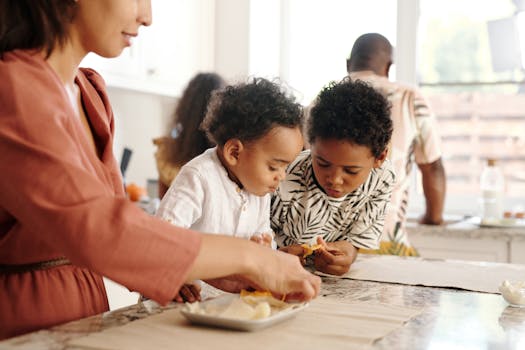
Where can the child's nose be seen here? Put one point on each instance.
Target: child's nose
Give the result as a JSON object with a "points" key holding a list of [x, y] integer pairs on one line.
{"points": [[335, 178]]}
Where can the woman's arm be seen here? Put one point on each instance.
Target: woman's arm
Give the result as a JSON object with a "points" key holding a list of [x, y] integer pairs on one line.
{"points": [[264, 269]]}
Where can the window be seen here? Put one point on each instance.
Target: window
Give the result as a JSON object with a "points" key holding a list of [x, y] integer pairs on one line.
{"points": [[319, 35], [469, 67]]}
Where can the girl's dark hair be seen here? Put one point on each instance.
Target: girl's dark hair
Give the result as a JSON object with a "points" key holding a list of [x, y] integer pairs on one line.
{"points": [[248, 111], [188, 140], [34, 24], [351, 111]]}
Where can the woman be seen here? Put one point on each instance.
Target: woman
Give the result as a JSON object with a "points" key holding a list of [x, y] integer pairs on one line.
{"points": [[186, 140], [64, 219]]}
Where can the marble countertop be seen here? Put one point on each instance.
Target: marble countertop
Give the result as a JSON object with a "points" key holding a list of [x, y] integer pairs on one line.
{"points": [[450, 319], [468, 228]]}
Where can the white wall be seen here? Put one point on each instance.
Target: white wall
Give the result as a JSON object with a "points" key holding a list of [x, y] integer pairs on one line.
{"points": [[140, 117]]}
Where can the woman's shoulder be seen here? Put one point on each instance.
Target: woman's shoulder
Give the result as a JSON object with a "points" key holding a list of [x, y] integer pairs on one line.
{"points": [[25, 72], [30, 85]]}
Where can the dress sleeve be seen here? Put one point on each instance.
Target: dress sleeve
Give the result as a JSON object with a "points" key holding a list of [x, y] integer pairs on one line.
{"points": [[366, 230], [56, 192], [428, 141], [182, 204]]}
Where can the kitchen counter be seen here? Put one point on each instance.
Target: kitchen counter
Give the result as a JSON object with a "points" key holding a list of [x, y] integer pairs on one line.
{"points": [[466, 240], [468, 228], [450, 318]]}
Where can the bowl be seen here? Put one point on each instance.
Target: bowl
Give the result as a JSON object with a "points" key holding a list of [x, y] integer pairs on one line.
{"points": [[513, 293]]}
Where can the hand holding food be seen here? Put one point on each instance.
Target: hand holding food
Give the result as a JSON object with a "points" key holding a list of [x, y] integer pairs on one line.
{"points": [[334, 258], [230, 284], [292, 280]]}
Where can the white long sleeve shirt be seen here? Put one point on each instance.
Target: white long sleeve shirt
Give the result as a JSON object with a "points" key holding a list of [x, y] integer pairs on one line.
{"points": [[202, 197]]}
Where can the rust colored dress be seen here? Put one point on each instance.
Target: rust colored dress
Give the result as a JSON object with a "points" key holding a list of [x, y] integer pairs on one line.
{"points": [[58, 198]]}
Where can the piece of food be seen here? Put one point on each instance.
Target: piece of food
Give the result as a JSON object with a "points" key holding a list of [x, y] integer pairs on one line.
{"points": [[135, 192], [240, 310], [255, 293], [248, 306], [309, 249]]}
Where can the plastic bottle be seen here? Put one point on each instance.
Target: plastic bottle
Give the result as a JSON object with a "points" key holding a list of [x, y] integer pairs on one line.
{"points": [[492, 185]]}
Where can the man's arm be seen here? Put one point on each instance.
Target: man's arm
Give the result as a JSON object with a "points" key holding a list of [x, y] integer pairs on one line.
{"points": [[434, 188]]}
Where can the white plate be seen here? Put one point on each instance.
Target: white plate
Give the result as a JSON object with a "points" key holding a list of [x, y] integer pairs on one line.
{"points": [[503, 223], [239, 324]]}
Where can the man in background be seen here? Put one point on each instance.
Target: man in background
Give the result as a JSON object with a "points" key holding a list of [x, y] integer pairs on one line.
{"points": [[415, 139]]}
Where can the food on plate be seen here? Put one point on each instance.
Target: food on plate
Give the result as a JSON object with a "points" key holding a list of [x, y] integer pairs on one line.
{"points": [[255, 293], [248, 306]]}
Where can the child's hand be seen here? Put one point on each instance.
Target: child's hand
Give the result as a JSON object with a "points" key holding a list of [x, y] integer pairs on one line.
{"points": [[295, 249], [334, 258], [264, 239], [230, 284], [190, 292]]}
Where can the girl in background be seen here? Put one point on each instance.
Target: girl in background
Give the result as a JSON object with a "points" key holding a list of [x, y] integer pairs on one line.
{"points": [[186, 140]]}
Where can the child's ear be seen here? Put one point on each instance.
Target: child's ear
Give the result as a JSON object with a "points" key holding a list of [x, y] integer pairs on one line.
{"points": [[379, 160], [231, 151]]}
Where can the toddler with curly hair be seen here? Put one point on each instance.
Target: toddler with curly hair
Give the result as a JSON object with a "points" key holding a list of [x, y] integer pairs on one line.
{"points": [[336, 193], [257, 129]]}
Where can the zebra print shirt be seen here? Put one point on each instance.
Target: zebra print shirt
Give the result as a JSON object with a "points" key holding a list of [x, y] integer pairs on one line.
{"points": [[301, 211]]}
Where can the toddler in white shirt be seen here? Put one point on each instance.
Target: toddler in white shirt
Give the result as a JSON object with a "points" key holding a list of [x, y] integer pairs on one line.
{"points": [[257, 129]]}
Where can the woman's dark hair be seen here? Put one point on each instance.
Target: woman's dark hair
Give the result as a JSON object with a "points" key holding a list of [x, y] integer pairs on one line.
{"points": [[188, 140], [34, 24], [351, 111], [249, 110]]}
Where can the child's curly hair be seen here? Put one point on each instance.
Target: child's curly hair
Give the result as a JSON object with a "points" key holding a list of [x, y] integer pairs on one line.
{"points": [[247, 111], [352, 111]]}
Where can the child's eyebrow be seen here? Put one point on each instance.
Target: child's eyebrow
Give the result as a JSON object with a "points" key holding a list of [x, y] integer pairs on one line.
{"points": [[344, 166]]}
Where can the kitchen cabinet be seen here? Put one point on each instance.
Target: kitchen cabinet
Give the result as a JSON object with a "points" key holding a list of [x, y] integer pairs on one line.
{"points": [[517, 251], [165, 55], [492, 250]]}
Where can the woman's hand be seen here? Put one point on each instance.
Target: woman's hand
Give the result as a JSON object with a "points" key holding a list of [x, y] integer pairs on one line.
{"points": [[283, 275], [262, 268], [297, 250], [334, 258]]}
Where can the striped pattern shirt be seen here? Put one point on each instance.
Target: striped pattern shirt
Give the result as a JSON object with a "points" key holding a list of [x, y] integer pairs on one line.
{"points": [[301, 211]]}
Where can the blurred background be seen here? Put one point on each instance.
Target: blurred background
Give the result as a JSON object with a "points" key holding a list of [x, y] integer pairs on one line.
{"points": [[466, 55]]}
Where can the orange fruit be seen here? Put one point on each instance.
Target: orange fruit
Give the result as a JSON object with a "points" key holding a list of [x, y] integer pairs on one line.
{"points": [[135, 192]]}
